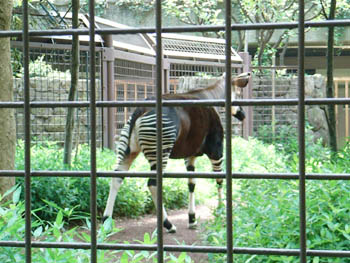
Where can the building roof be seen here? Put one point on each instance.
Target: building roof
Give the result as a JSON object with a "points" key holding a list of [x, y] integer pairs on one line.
{"points": [[175, 46]]}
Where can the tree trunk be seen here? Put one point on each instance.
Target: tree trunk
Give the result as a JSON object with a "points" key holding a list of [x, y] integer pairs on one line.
{"points": [[330, 90], [68, 142], [7, 117]]}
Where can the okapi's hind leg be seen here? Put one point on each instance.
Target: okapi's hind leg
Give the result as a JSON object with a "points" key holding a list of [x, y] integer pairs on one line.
{"points": [[115, 184], [128, 150], [152, 183], [148, 142], [192, 222], [216, 166], [152, 186]]}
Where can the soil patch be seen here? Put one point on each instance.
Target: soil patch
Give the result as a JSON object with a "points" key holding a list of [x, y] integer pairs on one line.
{"points": [[134, 229]]}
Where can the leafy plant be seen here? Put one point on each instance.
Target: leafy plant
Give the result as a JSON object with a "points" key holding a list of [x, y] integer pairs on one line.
{"points": [[12, 227], [266, 212], [146, 256], [41, 68]]}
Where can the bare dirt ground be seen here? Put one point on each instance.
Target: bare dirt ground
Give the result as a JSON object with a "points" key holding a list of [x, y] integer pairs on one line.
{"points": [[134, 229]]}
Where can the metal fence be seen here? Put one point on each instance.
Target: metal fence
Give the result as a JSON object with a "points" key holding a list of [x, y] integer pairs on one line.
{"points": [[93, 105]]}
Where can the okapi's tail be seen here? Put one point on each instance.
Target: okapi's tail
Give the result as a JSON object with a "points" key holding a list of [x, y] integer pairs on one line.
{"points": [[123, 147]]}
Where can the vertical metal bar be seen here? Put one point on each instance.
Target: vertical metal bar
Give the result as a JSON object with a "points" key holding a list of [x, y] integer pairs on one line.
{"points": [[93, 209], [301, 127], [346, 110], [336, 95], [228, 88], [27, 180], [105, 90], [125, 85], [159, 73], [273, 117]]}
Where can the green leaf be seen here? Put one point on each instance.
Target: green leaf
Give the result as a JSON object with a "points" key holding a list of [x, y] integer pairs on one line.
{"points": [[38, 232], [52, 204], [56, 233], [182, 257], [10, 191], [347, 228], [124, 258], [16, 195], [146, 239], [59, 219], [316, 260]]}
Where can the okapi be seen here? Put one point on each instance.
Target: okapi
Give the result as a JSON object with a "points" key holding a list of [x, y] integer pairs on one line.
{"points": [[188, 132]]}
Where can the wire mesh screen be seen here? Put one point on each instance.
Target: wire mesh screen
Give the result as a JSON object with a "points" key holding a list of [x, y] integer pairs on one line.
{"points": [[272, 122], [49, 70], [190, 46], [133, 81]]}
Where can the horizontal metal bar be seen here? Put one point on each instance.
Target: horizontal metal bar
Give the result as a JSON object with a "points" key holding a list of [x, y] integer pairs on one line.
{"points": [[274, 67], [179, 248], [48, 46], [170, 103], [178, 29], [204, 175]]}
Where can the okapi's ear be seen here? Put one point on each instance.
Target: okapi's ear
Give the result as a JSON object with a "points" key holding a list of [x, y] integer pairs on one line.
{"points": [[241, 80]]}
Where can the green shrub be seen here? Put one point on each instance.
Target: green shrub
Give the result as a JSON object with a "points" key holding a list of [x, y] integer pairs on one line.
{"points": [[266, 212], [53, 193], [254, 156], [12, 228]]}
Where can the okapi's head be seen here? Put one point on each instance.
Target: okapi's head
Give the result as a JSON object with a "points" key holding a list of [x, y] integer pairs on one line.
{"points": [[239, 82]]}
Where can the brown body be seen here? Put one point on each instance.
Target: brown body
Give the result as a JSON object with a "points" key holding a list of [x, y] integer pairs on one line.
{"points": [[199, 128]]}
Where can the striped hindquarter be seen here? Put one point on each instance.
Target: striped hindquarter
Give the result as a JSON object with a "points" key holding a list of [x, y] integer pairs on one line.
{"points": [[147, 137], [140, 135]]}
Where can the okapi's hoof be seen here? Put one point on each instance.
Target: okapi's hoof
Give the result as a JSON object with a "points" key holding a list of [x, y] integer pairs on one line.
{"points": [[172, 230], [104, 218], [192, 222], [193, 225]]}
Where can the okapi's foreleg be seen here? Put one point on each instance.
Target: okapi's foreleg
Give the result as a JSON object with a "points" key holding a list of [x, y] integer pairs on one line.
{"points": [[192, 222], [216, 166]]}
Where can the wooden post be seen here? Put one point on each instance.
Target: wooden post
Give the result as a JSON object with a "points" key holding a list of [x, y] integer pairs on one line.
{"points": [[247, 94], [108, 59]]}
